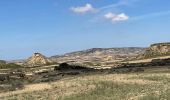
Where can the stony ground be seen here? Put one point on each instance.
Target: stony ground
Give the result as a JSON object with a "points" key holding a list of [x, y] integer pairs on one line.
{"points": [[153, 84]]}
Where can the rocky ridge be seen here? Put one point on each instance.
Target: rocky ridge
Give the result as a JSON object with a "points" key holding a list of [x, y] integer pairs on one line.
{"points": [[156, 50]]}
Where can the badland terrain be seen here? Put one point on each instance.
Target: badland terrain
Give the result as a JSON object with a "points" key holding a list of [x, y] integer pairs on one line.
{"points": [[131, 73]]}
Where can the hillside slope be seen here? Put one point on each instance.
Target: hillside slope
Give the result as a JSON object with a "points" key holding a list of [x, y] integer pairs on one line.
{"points": [[156, 50], [99, 55]]}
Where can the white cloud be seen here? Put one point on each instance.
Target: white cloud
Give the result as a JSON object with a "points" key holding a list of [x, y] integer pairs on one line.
{"points": [[116, 17], [84, 9]]}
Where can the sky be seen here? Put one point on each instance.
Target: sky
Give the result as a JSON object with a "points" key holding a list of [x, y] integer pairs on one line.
{"points": [[54, 27]]}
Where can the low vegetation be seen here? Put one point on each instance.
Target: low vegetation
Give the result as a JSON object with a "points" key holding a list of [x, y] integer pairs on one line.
{"points": [[151, 54], [121, 84], [12, 81], [5, 65]]}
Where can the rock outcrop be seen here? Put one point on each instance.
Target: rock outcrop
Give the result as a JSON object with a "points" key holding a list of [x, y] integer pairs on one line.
{"points": [[161, 48], [37, 60], [156, 50]]}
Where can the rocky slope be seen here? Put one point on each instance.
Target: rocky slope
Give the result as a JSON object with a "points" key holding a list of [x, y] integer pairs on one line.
{"points": [[156, 50], [96, 56], [37, 59]]}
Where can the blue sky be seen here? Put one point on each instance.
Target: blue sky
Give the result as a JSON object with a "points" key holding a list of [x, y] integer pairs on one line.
{"points": [[55, 27]]}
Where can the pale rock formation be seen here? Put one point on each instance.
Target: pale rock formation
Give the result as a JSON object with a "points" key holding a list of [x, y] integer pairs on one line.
{"points": [[37, 59]]}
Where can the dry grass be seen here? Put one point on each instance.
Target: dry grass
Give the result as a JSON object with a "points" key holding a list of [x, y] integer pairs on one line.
{"points": [[133, 86]]}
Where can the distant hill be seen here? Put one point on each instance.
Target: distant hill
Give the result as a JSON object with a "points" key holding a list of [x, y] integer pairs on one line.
{"points": [[102, 56], [99, 55]]}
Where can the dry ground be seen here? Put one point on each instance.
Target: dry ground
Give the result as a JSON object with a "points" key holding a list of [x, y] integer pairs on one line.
{"points": [[147, 60], [153, 84]]}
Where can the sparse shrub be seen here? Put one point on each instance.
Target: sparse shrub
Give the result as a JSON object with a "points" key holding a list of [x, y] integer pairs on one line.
{"points": [[65, 66], [73, 73], [137, 70], [2, 62], [4, 78], [51, 63], [17, 84], [11, 82]]}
